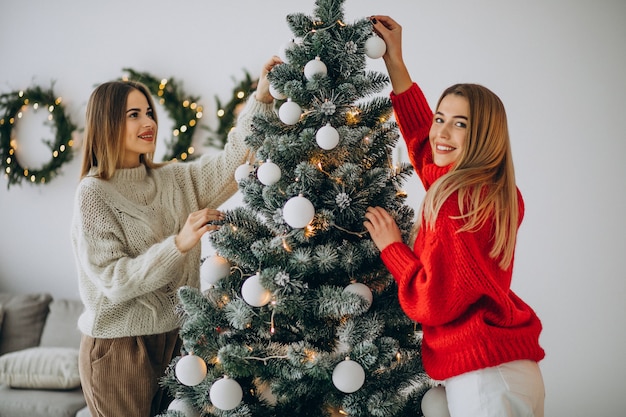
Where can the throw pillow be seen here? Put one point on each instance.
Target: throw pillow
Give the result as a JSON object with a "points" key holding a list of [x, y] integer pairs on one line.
{"points": [[41, 368], [61, 328], [24, 317]]}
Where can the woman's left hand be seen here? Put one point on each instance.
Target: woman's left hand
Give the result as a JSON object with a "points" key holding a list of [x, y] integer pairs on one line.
{"points": [[263, 87], [382, 227]]}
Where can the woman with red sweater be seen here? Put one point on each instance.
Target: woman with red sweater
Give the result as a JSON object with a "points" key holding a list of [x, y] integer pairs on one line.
{"points": [[479, 338]]}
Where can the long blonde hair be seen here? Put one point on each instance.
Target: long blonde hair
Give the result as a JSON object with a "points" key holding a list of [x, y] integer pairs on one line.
{"points": [[484, 175], [105, 128]]}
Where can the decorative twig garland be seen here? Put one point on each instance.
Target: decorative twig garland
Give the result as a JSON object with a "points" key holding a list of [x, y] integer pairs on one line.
{"points": [[12, 106], [182, 109]]}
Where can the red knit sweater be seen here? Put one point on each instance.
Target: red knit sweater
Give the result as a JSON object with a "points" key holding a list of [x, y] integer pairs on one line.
{"points": [[470, 317]]}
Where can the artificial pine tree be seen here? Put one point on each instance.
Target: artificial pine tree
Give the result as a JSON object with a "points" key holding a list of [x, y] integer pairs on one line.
{"points": [[298, 316]]}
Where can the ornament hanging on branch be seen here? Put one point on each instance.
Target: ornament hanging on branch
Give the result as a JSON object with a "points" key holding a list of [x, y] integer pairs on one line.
{"points": [[298, 212], [375, 47], [361, 290], [348, 376], [254, 293], [226, 393], [243, 171], [435, 402], [213, 269], [268, 173], [191, 370], [327, 137], [289, 112], [180, 405], [315, 67]]}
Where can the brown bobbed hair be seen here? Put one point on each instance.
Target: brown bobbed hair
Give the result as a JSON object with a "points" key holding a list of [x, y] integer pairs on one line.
{"points": [[105, 125], [484, 175]]}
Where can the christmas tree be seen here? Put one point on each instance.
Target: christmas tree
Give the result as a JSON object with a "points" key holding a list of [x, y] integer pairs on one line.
{"points": [[297, 314]]}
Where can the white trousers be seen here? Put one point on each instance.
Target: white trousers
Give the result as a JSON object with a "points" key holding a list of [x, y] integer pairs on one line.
{"points": [[513, 389]]}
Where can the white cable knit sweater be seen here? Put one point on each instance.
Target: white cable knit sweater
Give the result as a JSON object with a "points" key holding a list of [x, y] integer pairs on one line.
{"points": [[123, 229]]}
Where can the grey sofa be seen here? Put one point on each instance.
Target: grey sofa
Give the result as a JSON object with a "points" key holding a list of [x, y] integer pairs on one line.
{"points": [[39, 344]]}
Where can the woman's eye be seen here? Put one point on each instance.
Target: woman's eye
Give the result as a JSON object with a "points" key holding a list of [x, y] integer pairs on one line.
{"points": [[438, 120], [132, 115], [461, 124], [150, 114]]}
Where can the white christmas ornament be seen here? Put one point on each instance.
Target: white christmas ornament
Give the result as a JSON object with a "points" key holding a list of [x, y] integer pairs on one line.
{"points": [[276, 94], [327, 137], [361, 289], [289, 112], [298, 212], [226, 393], [375, 47], [268, 173], [179, 404], [243, 171], [313, 67], [348, 376], [282, 51], [254, 293], [435, 402], [213, 269], [190, 370]]}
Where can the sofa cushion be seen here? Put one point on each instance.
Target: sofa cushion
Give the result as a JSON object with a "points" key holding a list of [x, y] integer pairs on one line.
{"points": [[40, 403], [61, 328], [24, 318], [41, 368]]}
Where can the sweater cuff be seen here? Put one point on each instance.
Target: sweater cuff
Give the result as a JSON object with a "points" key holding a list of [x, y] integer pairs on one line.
{"points": [[397, 257], [412, 109]]}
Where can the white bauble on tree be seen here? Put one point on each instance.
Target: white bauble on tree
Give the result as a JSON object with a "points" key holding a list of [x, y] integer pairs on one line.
{"points": [[243, 171], [327, 137], [276, 94], [361, 290], [298, 212], [282, 51], [313, 67], [226, 393], [254, 293], [375, 47], [348, 376], [213, 269], [183, 406], [268, 173], [435, 403], [289, 112], [190, 370]]}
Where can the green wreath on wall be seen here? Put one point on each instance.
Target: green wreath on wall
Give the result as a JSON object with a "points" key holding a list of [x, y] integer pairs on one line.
{"points": [[182, 109], [12, 106], [227, 113]]}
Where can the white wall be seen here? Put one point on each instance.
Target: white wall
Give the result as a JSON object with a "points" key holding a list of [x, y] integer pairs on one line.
{"points": [[558, 65]]}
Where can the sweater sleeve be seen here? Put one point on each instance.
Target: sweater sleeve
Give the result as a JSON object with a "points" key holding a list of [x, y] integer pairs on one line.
{"points": [[453, 270], [106, 259], [212, 179], [414, 118]]}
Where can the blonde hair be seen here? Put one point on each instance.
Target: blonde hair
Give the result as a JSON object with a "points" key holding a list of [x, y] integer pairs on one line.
{"points": [[105, 128], [484, 175]]}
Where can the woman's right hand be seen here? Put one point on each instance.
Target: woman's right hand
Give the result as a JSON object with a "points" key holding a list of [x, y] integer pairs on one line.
{"points": [[195, 227], [391, 32]]}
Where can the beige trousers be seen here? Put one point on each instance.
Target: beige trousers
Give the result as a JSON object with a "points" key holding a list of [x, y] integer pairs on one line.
{"points": [[120, 377]]}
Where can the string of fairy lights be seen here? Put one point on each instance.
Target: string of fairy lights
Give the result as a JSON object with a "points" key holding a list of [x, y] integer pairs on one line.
{"points": [[183, 110]]}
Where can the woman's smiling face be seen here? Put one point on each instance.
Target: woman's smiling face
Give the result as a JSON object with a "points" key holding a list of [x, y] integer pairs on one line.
{"points": [[140, 129], [449, 129]]}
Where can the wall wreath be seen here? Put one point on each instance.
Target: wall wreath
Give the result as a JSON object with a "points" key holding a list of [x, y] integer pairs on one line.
{"points": [[12, 107], [182, 109]]}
